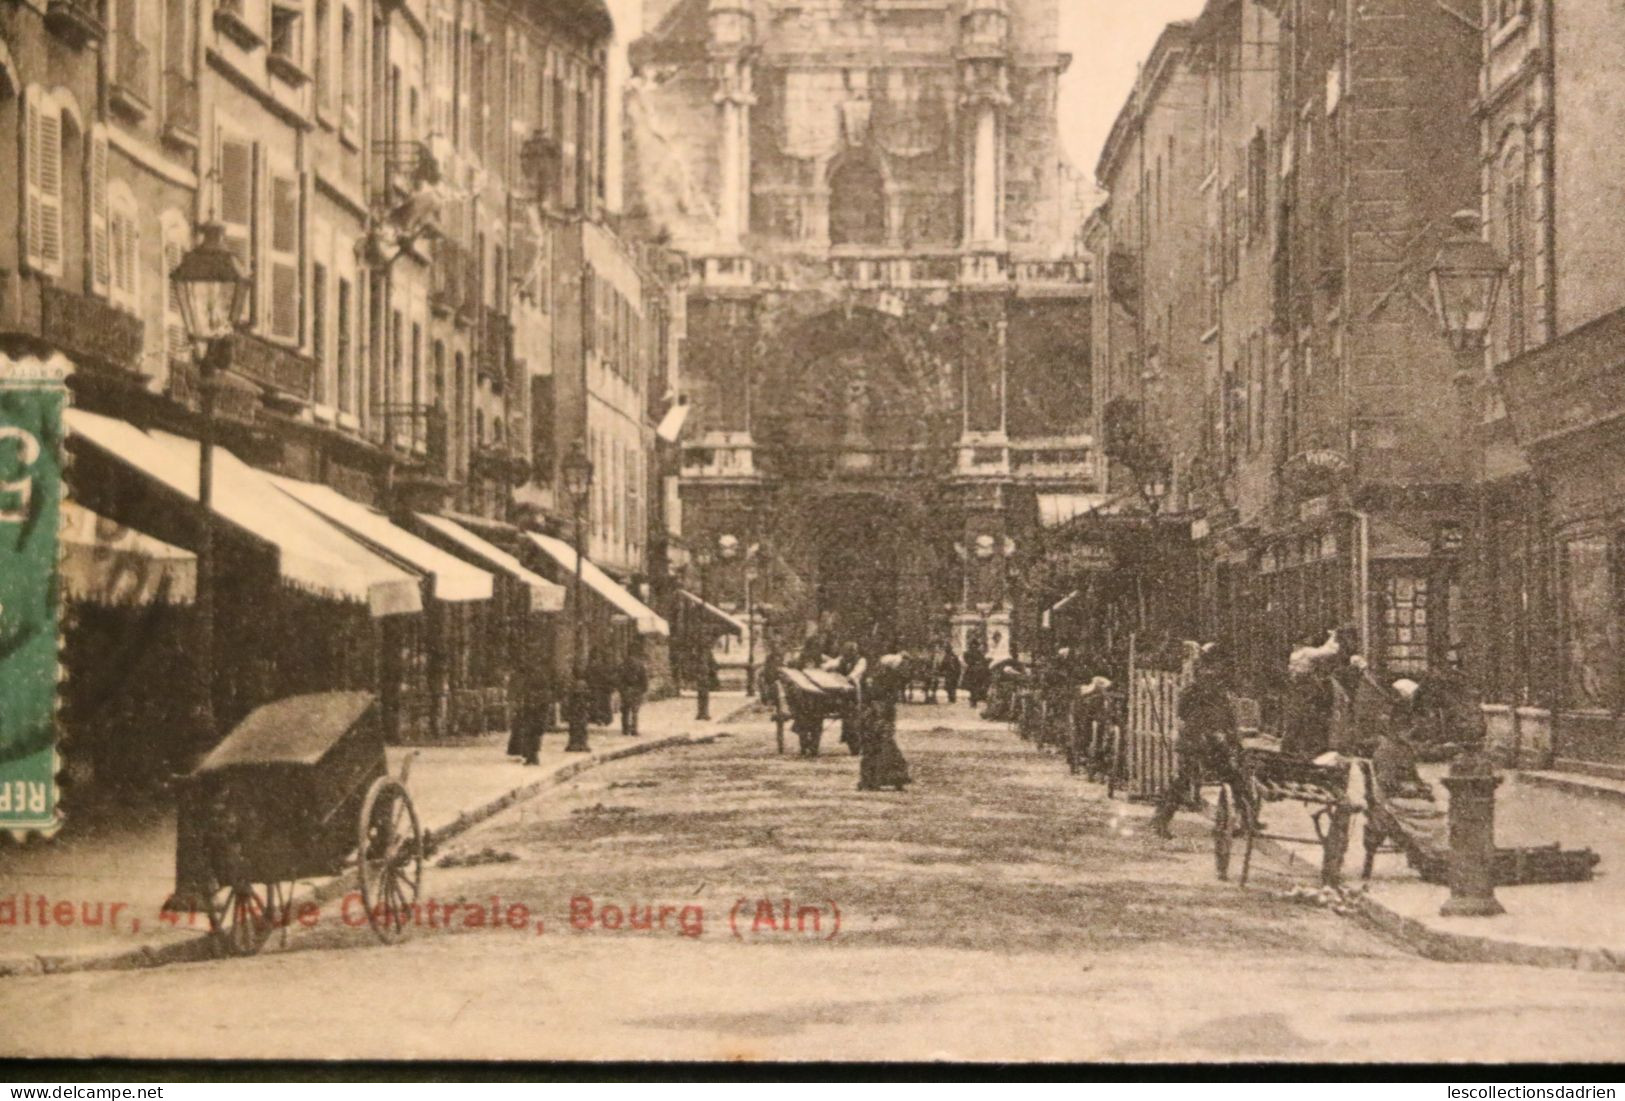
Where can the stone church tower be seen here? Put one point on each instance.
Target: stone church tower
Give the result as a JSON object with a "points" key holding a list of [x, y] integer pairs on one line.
{"points": [[887, 342]]}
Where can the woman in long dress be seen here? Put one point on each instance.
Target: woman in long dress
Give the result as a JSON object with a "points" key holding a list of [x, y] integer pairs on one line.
{"points": [[883, 765]]}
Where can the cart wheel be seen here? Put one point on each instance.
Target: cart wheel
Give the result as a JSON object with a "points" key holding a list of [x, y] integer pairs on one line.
{"points": [[243, 916], [1221, 833], [390, 853]]}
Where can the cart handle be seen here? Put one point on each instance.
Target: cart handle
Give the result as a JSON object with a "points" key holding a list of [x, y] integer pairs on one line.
{"points": [[406, 766]]}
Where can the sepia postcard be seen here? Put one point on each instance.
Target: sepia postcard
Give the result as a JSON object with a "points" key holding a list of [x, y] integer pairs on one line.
{"points": [[986, 532]]}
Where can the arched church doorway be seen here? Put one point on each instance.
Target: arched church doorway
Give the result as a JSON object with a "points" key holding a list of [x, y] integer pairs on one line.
{"points": [[857, 554]]}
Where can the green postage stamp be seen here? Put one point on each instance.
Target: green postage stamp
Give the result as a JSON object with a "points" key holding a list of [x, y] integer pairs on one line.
{"points": [[33, 394]]}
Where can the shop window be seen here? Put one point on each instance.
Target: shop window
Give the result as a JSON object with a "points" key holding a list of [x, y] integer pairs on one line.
{"points": [[1405, 624], [1592, 624]]}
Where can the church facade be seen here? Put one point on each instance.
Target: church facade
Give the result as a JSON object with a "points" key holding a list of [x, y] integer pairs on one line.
{"points": [[887, 350]]}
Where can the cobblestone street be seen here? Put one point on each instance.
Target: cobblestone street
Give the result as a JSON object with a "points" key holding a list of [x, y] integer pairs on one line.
{"points": [[1001, 909]]}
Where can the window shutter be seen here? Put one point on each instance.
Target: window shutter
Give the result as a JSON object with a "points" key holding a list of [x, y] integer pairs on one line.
{"points": [[175, 342], [32, 225], [100, 249], [237, 208], [50, 191], [284, 258]]}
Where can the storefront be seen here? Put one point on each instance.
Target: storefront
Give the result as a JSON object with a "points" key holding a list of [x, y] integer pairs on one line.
{"points": [[299, 605], [1566, 400], [508, 655]]}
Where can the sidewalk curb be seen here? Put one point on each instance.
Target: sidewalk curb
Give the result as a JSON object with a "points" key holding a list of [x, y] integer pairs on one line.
{"points": [[1447, 947], [1576, 787], [198, 947]]}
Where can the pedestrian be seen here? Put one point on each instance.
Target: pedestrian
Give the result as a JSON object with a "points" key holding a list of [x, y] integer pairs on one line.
{"points": [[530, 714], [852, 665], [1207, 744], [701, 664], [977, 674], [950, 668], [634, 685], [602, 674], [883, 764], [767, 679]]}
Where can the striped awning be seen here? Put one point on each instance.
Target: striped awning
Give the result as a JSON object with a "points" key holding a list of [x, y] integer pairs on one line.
{"points": [[544, 595], [312, 555], [648, 623], [728, 623], [451, 579]]}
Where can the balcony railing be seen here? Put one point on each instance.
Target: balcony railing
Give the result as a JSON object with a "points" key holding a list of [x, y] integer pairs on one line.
{"points": [[265, 363], [402, 169], [79, 22], [497, 335], [132, 73], [90, 331], [180, 104]]}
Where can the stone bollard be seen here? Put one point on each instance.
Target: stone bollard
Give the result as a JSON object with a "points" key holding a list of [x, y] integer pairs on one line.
{"points": [[1472, 783]]}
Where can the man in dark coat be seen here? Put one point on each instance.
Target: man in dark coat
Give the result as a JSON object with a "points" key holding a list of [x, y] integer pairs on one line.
{"points": [[883, 765], [978, 674], [1207, 742], [949, 668], [851, 714], [634, 685], [602, 675]]}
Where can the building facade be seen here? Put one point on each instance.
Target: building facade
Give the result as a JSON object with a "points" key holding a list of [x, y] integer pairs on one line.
{"points": [[1551, 464], [886, 351], [416, 191]]}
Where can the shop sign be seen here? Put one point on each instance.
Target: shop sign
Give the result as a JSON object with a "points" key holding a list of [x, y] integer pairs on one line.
{"points": [[1316, 508]]}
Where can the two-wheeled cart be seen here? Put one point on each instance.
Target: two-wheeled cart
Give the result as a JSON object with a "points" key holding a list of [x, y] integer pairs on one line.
{"points": [[1267, 775], [299, 790]]}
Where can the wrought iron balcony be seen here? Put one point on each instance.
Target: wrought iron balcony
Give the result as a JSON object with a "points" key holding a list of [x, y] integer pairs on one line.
{"points": [[180, 106], [132, 74], [89, 331], [402, 169], [496, 337], [265, 363], [77, 22]]}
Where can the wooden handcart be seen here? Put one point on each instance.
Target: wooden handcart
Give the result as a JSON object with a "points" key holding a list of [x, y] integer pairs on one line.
{"points": [[300, 789], [1270, 776]]}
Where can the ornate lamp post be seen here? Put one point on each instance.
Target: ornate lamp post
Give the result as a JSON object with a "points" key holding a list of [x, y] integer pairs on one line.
{"points": [[702, 668], [211, 287], [1466, 278], [576, 471]]}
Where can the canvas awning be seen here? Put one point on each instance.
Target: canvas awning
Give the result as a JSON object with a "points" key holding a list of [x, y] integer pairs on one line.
{"points": [[451, 578], [1391, 541], [722, 619], [104, 562], [544, 595], [1055, 509], [1065, 601], [311, 554], [648, 623]]}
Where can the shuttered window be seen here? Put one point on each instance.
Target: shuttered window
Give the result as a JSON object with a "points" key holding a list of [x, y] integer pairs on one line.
{"points": [[176, 345], [42, 175], [101, 258], [282, 260], [237, 167], [124, 238]]}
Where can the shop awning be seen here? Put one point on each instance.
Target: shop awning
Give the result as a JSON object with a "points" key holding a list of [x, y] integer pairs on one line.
{"points": [[1055, 509], [601, 583], [722, 619], [544, 595], [1064, 602], [1391, 541], [107, 563], [312, 555], [452, 579]]}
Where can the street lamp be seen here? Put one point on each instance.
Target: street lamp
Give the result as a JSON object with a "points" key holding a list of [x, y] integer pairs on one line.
{"points": [[211, 288], [576, 472], [1466, 277], [702, 668]]}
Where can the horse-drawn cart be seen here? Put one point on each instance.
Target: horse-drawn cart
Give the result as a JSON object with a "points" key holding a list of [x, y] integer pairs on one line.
{"points": [[299, 790]]}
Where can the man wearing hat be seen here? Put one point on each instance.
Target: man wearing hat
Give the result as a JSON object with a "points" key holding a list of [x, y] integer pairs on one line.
{"points": [[1206, 742]]}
